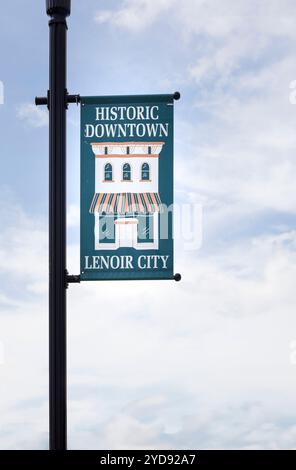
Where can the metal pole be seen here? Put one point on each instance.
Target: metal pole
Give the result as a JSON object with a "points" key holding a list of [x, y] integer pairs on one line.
{"points": [[58, 10]]}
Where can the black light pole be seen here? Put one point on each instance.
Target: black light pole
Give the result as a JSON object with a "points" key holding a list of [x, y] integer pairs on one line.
{"points": [[57, 102], [58, 10]]}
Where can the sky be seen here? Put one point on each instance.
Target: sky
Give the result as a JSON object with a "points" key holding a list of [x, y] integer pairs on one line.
{"points": [[207, 363]]}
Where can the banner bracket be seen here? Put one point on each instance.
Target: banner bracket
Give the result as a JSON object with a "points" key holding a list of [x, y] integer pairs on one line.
{"points": [[72, 279], [44, 100]]}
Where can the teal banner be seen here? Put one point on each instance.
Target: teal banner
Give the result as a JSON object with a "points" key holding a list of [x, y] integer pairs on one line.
{"points": [[127, 187]]}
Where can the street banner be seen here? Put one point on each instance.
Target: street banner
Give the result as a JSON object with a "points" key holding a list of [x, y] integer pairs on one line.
{"points": [[127, 187]]}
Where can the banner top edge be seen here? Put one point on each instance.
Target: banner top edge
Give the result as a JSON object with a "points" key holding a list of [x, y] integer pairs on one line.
{"points": [[127, 99]]}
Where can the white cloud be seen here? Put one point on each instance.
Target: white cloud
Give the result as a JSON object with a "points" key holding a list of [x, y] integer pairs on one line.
{"points": [[73, 215], [33, 115], [233, 427], [210, 17], [23, 245], [135, 15]]}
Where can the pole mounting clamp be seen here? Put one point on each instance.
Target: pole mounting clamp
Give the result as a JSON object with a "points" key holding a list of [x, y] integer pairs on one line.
{"points": [[44, 100]]}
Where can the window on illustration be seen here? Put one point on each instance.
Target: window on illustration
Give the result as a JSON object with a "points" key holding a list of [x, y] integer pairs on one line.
{"points": [[145, 176], [145, 228], [126, 172], [108, 172], [106, 229]]}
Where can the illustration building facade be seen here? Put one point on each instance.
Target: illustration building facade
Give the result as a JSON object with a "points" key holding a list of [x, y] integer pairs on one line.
{"points": [[126, 204]]}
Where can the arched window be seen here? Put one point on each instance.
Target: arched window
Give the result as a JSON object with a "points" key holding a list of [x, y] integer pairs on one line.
{"points": [[126, 172], [145, 172], [108, 172]]}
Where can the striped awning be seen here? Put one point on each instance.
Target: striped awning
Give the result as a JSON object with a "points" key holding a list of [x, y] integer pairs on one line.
{"points": [[125, 203]]}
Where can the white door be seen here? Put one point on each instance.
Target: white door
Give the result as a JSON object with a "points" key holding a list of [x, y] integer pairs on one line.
{"points": [[126, 231]]}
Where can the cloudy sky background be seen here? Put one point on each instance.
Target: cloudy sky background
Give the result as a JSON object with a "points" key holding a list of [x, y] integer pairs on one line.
{"points": [[206, 363]]}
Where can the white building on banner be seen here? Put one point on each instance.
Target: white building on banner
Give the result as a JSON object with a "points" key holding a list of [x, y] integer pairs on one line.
{"points": [[126, 203]]}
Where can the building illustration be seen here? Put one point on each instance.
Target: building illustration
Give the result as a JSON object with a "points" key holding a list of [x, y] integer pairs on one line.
{"points": [[126, 204]]}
